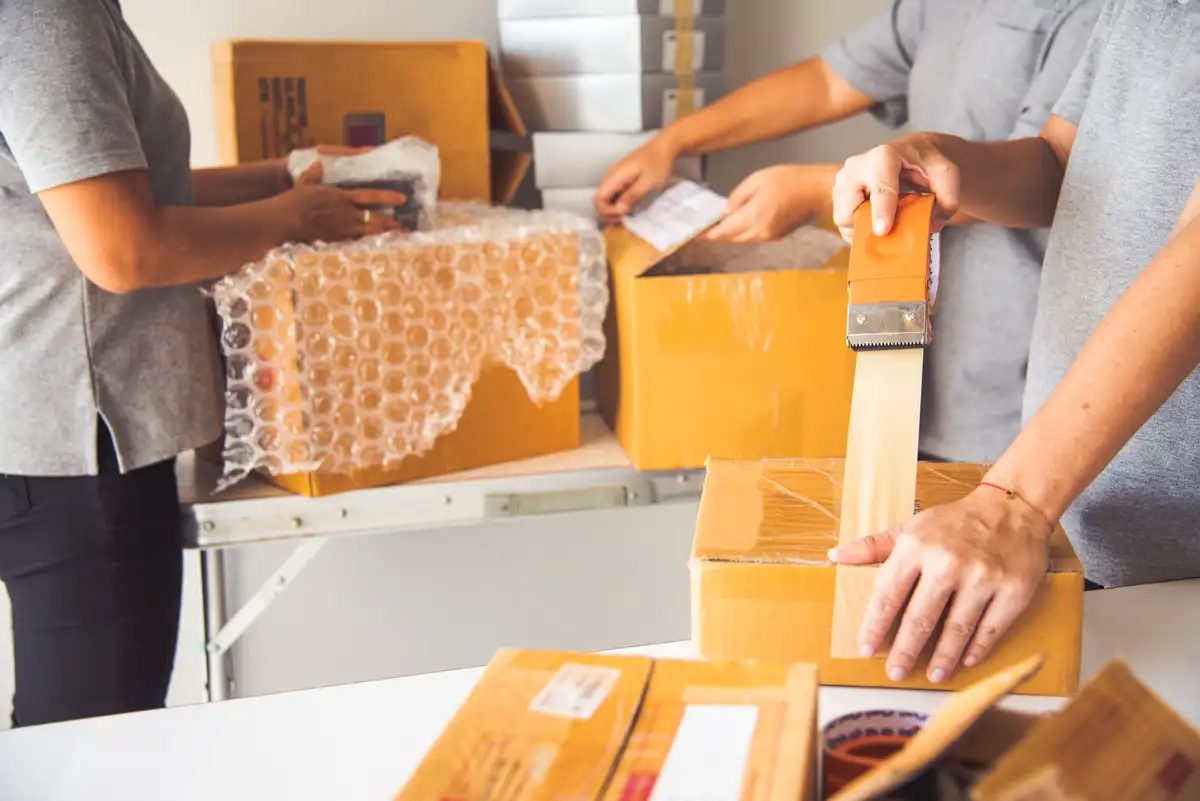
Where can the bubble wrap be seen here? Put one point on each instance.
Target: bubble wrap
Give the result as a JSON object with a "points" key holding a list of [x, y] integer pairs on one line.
{"points": [[355, 356]]}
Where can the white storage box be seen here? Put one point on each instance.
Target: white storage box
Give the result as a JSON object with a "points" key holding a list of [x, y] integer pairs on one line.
{"points": [[611, 103], [600, 45], [575, 200], [571, 159], [527, 9]]}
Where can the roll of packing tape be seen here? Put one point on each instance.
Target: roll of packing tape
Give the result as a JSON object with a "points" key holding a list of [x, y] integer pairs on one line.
{"points": [[855, 743]]}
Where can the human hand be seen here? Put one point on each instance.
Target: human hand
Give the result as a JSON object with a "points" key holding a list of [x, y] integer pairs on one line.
{"points": [[983, 557], [323, 213], [632, 178], [911, 163], [771, 203]]}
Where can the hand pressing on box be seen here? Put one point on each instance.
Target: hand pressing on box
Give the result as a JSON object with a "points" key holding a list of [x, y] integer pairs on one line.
{"points": [[771, 203], [979, 561]]}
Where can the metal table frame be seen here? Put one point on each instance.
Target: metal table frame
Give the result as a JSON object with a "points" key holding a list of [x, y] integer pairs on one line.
{"points": [[256, 512]]}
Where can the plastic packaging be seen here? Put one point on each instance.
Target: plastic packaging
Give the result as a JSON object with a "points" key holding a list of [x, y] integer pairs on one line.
{"points": [[806, 248], [355, 356], [408, 164]]}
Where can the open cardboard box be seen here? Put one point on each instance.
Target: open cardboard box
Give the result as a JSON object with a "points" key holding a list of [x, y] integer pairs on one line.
{"points": [[763, 589], [546, 726], [1116, 741]]}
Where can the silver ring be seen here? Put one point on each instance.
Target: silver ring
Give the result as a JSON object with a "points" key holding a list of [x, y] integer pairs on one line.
{"points": [[366, 216]]}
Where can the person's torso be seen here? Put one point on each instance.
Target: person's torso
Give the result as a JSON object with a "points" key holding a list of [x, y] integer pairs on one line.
{"points": [[971, 71], [144, 361], [1134, 162]]}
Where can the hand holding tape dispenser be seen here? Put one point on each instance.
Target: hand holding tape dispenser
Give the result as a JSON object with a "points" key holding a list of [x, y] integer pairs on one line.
{"points": [[892, 289]]}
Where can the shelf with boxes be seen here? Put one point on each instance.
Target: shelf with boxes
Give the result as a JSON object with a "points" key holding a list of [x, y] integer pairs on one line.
{"points": [[595, 79]]}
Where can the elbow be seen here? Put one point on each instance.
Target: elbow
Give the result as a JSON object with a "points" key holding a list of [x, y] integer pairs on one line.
{"points": [[119, 274]]}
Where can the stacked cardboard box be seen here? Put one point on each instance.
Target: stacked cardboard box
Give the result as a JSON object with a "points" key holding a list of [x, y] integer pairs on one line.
{"points": [[594, 79]]}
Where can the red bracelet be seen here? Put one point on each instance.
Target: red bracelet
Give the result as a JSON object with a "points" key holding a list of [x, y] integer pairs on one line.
{"points": [[1012, 494]]}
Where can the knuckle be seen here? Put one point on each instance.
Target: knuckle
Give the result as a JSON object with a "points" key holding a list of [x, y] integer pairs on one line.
{"points": [[959, 630], [921, 624], [886, 604]]}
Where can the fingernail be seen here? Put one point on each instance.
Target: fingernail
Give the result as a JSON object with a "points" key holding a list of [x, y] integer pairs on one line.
{"points": [[880, 226], [896, 673], [834, 553], [937, 675], [970, 661], [866, 650]]}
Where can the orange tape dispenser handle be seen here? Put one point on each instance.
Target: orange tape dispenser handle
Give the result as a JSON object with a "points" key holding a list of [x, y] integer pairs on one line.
{"points": [[889, 278]]}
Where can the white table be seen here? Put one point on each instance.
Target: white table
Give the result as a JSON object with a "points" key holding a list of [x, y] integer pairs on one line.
{"points": [[360, 742]]}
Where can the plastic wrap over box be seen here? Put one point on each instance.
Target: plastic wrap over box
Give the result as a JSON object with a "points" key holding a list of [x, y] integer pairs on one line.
{"points": [[725, 350], [763, 588], [356, 356]]}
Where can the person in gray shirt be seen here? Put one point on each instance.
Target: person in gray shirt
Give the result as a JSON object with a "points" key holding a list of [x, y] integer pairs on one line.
{"points": [[981, 69], [1111, 443], [107, 353]]}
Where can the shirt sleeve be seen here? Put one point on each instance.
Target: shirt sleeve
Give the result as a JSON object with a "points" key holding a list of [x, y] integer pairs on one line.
{"points": [[65, 111], [1074, 96], [876, 58]]}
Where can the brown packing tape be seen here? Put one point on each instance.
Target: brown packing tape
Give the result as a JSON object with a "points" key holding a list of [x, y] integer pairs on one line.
{"points": [[685, 93], [685, 38]]}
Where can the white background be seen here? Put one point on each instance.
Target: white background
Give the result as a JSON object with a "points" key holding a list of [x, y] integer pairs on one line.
{"points": [[396, 605]]}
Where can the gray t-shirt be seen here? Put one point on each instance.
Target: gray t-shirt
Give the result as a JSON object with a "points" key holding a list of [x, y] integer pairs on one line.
{"points": [[983, 70], [1136, 100], [79, 99]]}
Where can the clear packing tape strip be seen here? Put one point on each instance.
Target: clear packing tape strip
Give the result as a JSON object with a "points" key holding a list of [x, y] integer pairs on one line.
{"points": [[355, 356]]}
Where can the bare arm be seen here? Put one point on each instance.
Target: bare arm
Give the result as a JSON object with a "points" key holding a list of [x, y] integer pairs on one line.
{"points": [[784, 102], [228, 186], [1142, 350]]}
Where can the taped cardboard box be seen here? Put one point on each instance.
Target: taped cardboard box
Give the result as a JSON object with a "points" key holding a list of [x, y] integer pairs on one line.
{"points": [[605, 45], [762, 587], [568, 160], [1116, 741], [276, 96], [530, 9], [544, 725], [612, 103], [732, 351]]}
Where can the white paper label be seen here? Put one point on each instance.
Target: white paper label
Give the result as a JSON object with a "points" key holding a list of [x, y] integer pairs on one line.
{"points": [[671, 50], [666, 8], [676, 216], [671, 103], [707, 760], [575, 691]]}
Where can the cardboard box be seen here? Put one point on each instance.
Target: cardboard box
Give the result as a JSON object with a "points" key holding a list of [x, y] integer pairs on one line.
{"points": [[1116, 741], [738, 364], [542, 725], [275, 96], [604, 45], [762, 587], [612, 103], [529, 9], [567, 160]]}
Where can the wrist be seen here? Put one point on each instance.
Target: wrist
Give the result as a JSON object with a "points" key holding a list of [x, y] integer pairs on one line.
{"points": [[673, 142], [1026, 487]]}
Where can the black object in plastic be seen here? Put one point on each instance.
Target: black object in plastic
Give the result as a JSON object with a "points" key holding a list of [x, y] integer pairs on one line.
{"points": [[409, 214]]}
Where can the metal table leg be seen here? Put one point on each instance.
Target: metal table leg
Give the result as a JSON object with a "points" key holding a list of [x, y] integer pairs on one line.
{"points": [[213, 573]]}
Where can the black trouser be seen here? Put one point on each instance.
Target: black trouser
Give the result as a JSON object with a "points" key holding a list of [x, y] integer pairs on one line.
{"points": [[94, 569]]}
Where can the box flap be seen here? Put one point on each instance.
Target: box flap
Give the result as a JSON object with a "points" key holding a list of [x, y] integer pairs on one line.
{"points": [[785, 511], [1117, 740], [509, 165], [953, 721]]}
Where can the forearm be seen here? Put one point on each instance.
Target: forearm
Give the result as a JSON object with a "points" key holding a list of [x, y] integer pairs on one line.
{"points": [[183, 245], [1013, 183], [1144, 348], [228, 186], [781, 103]]}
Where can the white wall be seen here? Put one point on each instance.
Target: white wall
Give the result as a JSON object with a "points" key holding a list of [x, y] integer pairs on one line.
{"points": [[405, 603]]}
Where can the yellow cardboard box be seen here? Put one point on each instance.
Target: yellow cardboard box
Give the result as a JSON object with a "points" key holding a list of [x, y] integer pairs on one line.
{"points": [[544, 725], [763, 589], [276, 96], [738, 365]]}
